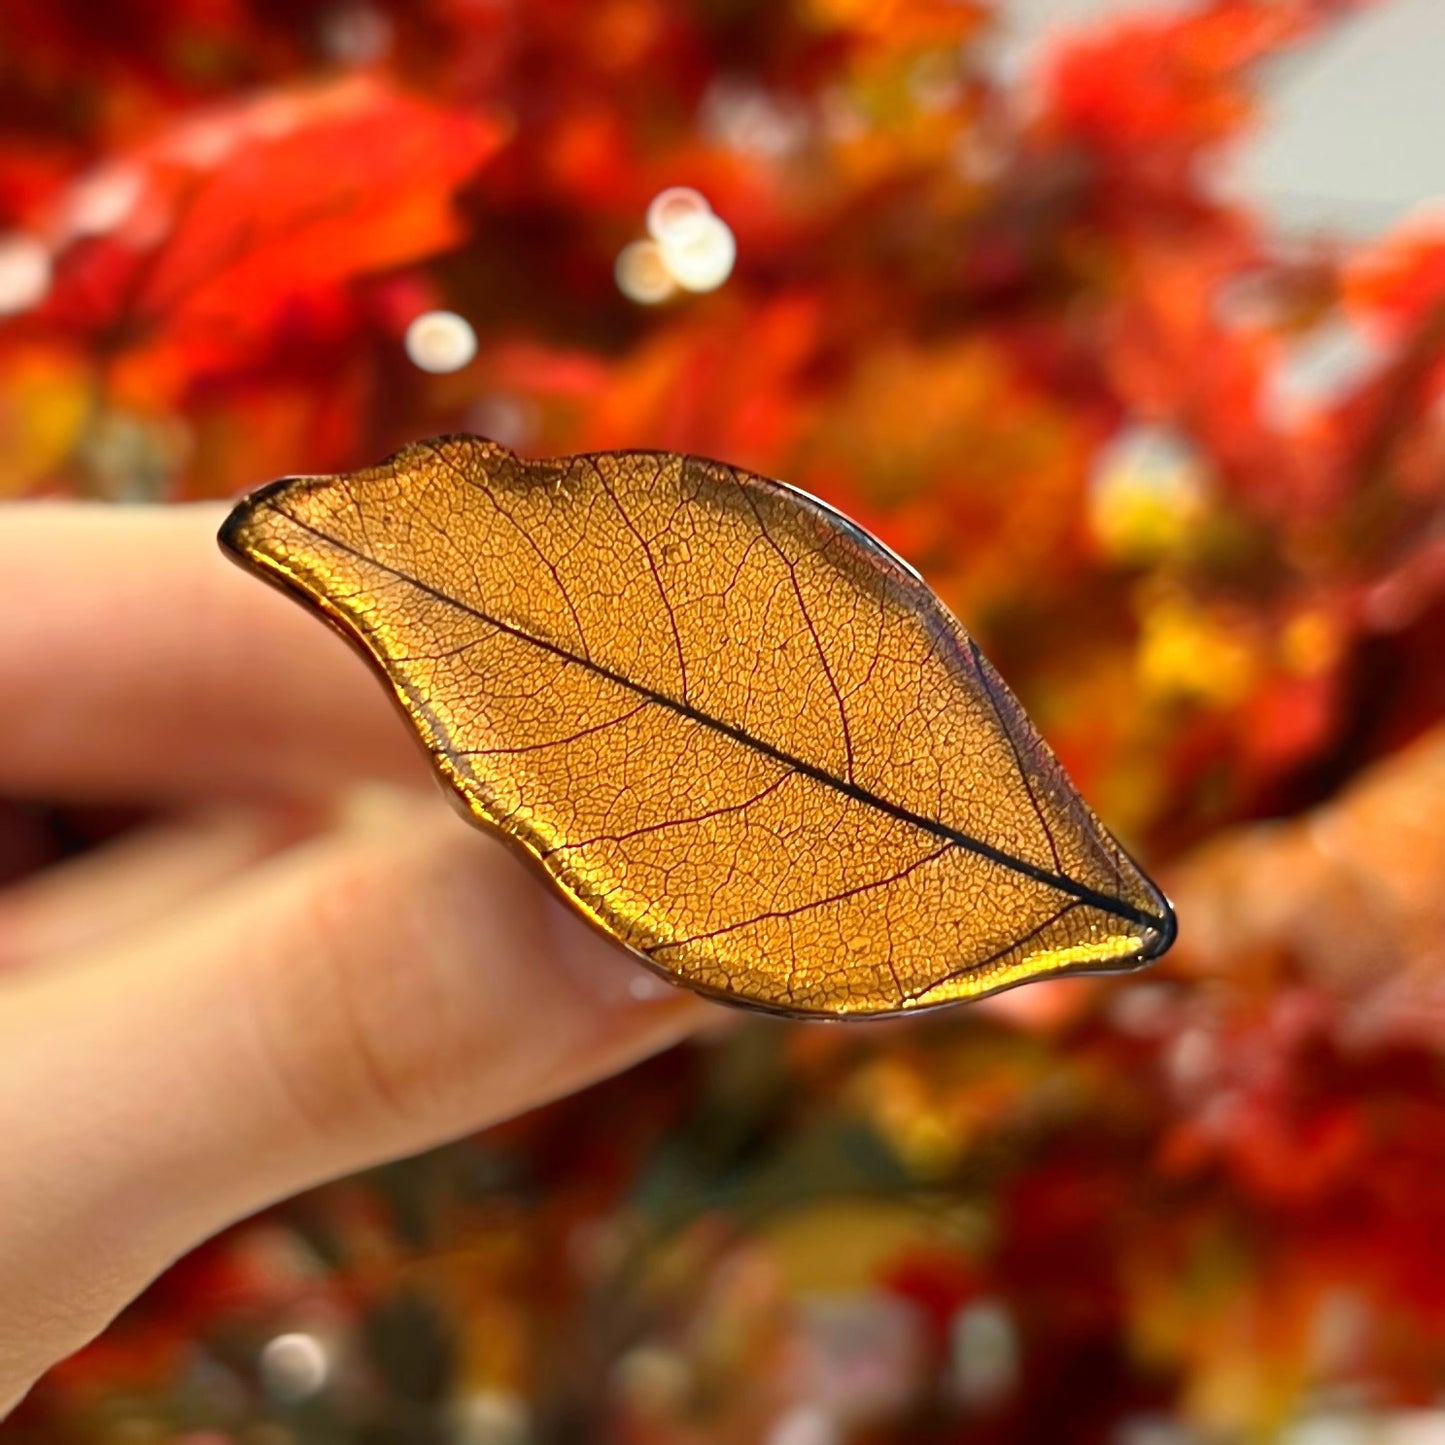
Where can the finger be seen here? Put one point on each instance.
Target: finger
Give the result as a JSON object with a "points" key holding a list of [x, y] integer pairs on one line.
{"points": [[138, 664], [361, 996], [134, 881]]}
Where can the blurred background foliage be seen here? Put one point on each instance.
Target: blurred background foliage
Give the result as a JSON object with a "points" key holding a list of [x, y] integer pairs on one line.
{"points": [[1182, 475]]}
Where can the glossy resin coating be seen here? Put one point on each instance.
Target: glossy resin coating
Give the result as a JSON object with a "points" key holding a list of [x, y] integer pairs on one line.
{"points": [[735, 730]]}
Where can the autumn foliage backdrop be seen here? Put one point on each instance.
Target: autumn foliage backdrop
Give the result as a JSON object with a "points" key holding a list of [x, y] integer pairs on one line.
{"points": [[1012, 327]]}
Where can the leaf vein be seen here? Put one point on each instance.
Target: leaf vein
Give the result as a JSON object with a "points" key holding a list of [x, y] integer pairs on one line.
{"points": [[1117, 907], [841, 896]]}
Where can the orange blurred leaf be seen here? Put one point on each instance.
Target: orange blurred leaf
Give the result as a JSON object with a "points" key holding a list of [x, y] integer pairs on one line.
{"points": [[1350, 894]]}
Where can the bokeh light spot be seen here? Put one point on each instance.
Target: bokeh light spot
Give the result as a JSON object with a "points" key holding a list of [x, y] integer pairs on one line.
{"points": [[293, 1367], [676, 213], [642, 273], [441, 341], [24, 273], [702, 259]]}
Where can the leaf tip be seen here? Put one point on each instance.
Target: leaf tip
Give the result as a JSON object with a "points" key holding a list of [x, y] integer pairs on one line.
{"points": [[1159, 935], [238, 534]]}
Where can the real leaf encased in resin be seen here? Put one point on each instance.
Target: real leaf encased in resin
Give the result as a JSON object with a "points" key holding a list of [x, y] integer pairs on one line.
{"points": [[737, 732]]}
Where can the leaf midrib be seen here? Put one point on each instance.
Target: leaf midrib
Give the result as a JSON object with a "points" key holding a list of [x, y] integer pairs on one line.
{"points": [[1104, 902]]}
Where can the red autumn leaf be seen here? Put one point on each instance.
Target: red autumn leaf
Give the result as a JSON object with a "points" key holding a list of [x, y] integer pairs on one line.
{"points": [[188, 252], [1393, 284], [1155, 90]]}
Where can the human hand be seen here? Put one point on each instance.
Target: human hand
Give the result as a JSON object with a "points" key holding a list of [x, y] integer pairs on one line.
{"points": [[279, 981]]}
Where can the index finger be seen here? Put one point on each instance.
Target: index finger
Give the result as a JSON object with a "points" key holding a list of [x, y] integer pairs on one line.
{"points": [[137, 664]]}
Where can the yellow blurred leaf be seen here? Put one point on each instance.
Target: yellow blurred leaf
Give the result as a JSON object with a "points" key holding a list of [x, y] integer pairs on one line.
{"points": [[45, 395]]}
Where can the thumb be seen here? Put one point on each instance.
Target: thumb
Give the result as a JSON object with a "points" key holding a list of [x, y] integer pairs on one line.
{"points": [[363, 995]]}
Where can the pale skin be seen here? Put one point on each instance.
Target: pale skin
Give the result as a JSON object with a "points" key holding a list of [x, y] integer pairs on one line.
{"points": [[278, 982]]}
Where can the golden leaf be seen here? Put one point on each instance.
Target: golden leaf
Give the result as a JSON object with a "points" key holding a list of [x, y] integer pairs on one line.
{"points": [[736, 731]]}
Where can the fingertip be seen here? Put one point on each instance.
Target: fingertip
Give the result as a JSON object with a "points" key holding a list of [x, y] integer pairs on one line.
{"points": [[152, 670]]}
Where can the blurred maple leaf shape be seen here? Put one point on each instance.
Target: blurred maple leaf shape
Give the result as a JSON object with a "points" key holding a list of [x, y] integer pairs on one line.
{"points": [[736, 731], [182, 255]]}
